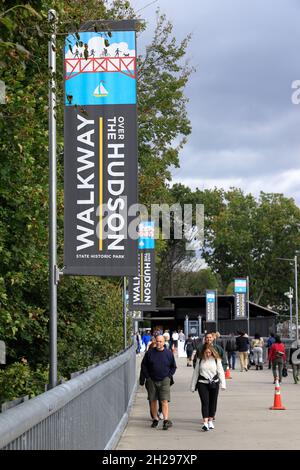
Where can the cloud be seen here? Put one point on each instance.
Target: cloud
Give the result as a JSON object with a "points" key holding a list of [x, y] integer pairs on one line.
{"points": [[97, 44], [245, 129]]}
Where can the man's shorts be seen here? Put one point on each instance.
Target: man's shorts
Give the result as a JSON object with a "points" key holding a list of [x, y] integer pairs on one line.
{"points": [[159, 390]]}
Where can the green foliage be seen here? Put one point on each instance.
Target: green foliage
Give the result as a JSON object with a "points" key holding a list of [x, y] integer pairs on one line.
{"points": [[92, 323], [18, 380], [244, 236], [24, 314], [196, 282], [248, 236], [162, 111]]}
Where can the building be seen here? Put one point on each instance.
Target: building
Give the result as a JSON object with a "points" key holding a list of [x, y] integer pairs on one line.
{"points": [[189, 314]]}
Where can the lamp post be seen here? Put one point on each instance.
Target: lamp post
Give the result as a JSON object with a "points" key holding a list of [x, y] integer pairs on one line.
{"points": [[296, 289], [290, 295]]}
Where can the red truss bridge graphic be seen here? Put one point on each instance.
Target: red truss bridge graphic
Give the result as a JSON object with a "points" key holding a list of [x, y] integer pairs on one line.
{"points": [[125, 65]]}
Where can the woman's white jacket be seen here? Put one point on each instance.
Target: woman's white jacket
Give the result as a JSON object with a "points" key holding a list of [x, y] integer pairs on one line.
{"points": [[220, 372]]}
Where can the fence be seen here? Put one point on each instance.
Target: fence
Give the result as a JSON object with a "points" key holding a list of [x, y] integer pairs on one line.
{"points": [[87, 412]]}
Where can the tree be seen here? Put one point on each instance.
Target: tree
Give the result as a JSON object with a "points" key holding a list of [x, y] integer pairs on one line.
{"points": [[177, 264], [247, 237], [162, 111], [196, 282], [244, 236]]}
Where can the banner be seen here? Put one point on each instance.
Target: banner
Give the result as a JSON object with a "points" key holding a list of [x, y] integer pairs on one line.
{"points": [[211, 305], [142, 288], [100, 129], [240, 299]]}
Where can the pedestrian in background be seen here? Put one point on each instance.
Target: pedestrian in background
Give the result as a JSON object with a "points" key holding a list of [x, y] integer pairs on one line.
{"points": [[152, 343], [257, 346], [146, 338], [189, 348], [230, 349], [243, 345], [181, 336], [294, 358], [207, 377], [210, 339], [175, 337], [270, 341], [166, 336], [138, 343], [277, 357]]}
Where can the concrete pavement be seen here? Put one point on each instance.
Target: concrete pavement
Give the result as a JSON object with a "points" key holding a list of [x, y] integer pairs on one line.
{"points": [[243, 419]]}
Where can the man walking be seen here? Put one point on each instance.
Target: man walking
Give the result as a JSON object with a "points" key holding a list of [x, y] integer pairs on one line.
{"points": [[231, 351], [243, 345], [159, 366]]}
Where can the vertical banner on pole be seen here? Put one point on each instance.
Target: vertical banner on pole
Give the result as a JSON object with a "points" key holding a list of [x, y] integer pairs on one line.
{"points": [[142, 288], [211, 303], [240, 299], [100, 130]]}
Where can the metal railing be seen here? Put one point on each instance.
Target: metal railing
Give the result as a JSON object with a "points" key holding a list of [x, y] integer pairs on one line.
{"points": [[87, 412]]}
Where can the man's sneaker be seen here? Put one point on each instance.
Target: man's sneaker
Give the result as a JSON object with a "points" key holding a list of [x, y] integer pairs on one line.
{"points": [[167, 424], [211, 425], [154, 423], [205, 427]]}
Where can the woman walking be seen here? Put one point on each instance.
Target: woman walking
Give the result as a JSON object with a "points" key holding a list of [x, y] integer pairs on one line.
{"points": [[257, 346], [189, 349], [277, 357], [207, 377]]}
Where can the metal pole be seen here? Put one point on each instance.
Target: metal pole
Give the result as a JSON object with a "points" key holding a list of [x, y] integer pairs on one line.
{"points": [[124, 313], [200, 325], [296, 297], [186, 326], [52, 18], [291, 312], [248, 308], [217, 313]]}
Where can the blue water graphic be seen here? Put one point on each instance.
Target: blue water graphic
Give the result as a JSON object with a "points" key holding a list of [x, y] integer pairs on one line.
{"points": [[121, 89]]}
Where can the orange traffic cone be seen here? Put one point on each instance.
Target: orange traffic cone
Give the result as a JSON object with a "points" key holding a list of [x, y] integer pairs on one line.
{"points": [[227, 373], [277, 398]]}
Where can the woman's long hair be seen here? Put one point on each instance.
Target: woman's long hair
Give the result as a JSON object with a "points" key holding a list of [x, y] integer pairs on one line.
{"points": [[214, 353]]}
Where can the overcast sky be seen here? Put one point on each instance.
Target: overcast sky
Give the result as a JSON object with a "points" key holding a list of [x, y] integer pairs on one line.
{"points": [[245, 128]]}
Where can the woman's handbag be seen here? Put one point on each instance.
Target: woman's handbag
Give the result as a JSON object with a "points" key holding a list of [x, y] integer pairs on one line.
{"points": [[284, 371], [212, 384]]}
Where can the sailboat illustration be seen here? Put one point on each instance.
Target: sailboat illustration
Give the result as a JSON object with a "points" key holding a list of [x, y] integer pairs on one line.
{"points": [[100, 90]]}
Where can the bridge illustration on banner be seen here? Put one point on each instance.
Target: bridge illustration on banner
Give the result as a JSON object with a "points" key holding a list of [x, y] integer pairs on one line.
{"points": [[76, 66]]}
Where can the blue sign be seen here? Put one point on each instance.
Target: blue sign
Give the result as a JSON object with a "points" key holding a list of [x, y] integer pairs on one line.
{"points": [[211, 310], [146, 236], [98, 71], [240, 298], [210, 297], [240, 286]]}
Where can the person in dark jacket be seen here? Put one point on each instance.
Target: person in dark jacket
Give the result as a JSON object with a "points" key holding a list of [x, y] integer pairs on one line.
{"points": [[230, 349], [243, 346], [210, 339], [270, 341], [143, 381], [189, 348], [158, 367]]}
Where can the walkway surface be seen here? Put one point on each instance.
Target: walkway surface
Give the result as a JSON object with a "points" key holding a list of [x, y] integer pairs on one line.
{"points": [[243, 419]]}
